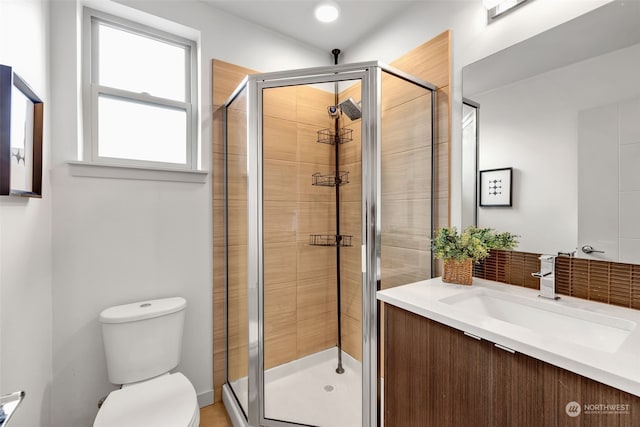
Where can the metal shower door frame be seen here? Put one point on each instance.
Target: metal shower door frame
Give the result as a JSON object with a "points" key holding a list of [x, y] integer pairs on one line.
{"points": [[256, 85], [369, 73]]}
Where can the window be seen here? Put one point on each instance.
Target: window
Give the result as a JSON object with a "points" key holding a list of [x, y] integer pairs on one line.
{"points": [[140, 94]]}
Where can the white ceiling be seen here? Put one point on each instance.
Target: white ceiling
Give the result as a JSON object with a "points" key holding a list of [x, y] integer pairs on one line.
{"points": [[294, 18]]}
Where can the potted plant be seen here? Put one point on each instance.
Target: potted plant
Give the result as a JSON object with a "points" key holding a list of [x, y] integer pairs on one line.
{"points": [[460, 250]]}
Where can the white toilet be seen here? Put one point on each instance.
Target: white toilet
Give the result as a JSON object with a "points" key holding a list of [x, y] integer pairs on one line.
{"points": [[142, 343]]}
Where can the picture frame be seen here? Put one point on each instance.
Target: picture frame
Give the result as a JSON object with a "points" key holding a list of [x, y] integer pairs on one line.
{"points": [[21, 124], [495, 187]]}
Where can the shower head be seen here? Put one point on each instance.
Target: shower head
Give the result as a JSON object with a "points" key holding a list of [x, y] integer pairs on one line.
{"points": [[351, 108]]}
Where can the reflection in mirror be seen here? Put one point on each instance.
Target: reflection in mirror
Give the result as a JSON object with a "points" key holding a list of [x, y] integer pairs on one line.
{"points": [[8, 405], [21, 141], [563, 109], [470, 111]]}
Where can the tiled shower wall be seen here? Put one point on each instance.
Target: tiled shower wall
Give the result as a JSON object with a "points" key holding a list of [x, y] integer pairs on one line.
{"points": [[601, 281]]}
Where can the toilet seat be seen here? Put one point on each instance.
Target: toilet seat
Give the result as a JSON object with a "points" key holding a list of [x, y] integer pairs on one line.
{"points": [[165, 401]]}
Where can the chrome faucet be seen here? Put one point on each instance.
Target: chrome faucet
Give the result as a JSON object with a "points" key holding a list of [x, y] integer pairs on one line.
{"points": [[547, 276]]}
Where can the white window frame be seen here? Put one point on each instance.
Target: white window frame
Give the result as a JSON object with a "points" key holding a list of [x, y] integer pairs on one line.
{"points": [[92, 91]]}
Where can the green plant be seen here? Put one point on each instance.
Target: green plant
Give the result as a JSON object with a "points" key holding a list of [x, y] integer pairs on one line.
{"points": [[473, 243]]}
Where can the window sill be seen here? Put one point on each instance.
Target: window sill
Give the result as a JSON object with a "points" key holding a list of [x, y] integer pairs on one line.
{"points": [[102, 170]]}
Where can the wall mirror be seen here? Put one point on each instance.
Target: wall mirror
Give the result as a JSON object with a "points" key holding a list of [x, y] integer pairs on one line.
{"points": [[21, 121], [563, 110]]}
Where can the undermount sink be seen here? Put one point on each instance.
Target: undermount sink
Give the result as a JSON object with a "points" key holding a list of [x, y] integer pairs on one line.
{"points": [[548, 318]]}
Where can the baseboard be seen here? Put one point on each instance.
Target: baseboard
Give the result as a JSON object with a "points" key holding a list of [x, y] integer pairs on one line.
{"points": [[205, 399]]}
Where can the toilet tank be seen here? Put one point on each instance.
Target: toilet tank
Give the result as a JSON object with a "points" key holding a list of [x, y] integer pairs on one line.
{"points": [[143, 339]]}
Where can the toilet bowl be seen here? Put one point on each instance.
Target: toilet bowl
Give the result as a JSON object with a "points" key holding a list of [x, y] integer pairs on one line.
{"points": [[142, 344], [165, 401]]}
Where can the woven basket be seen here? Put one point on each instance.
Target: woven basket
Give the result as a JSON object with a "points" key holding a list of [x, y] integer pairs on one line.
{"points": [[459, 272]]}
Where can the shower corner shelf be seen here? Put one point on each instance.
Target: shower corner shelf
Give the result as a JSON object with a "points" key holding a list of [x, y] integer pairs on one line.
{"points": [[343, 240], [328, 136], [330, 180]]}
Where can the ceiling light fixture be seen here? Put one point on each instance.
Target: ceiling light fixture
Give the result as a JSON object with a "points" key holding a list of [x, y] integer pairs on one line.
{"points": [[327, 11], [497, 8]]}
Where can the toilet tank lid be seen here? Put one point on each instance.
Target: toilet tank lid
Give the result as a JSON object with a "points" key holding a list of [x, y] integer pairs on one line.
{"points": [[142, 310]]}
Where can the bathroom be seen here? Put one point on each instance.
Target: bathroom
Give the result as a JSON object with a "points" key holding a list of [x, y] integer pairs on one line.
{"points": [[95, 242]]}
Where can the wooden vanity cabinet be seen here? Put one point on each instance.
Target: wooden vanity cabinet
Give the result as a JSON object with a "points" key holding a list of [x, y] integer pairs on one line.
{"points": [[437, 376]]}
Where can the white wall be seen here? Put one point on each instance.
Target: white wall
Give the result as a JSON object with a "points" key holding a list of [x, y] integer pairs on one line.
{"points": [[472, 39], [25, 233], [121, 240]]}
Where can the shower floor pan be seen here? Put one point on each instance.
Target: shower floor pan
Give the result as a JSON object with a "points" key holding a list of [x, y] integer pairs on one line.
{"points": [[309, 391]]}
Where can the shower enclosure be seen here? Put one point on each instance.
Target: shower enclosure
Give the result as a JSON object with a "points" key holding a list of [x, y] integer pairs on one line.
{"points": [[329, 198]]}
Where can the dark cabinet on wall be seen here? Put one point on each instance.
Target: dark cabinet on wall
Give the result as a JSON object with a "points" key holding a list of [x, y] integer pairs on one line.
{"points": [[438, 376]]}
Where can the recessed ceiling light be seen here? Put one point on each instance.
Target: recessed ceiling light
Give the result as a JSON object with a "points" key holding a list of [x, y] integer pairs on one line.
{"points": [[327, 11]]}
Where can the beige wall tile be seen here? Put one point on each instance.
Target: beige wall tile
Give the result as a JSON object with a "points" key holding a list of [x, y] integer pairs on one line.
{"points": [[351, 262], [280, 102], [280, 139], [401, 266], [237, 267], [315, 261], [396, 91], [316, 334], [407, 126], [431, 61], [316, 297], [280, 324], [350, 221], [237, 222], [312, 106], [350, 152], [443, 118], [238, 362], [352, 192], [352, 337], [280, 221], [279, 263], [315, 218], [306, 192], [442, 170], [279, 180], [312, 151], [226, 77], [351, 301], [218, 130], [218, 223], [406, 175], [406, 223], [236, 133], [237, 177]]}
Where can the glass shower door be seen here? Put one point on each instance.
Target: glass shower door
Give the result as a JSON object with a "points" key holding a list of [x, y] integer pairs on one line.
{"points": [[237, 249], [311, 256]]}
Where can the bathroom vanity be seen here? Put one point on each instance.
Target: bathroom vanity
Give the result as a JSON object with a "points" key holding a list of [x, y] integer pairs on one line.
{"points": [[497, 355]]}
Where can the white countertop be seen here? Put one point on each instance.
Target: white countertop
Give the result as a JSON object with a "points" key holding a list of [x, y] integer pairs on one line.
{"points": [[619, 369]]}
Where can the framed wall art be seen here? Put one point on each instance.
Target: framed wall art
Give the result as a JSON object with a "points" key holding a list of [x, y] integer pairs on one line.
{"points": [[495, 187], [21, 121]]}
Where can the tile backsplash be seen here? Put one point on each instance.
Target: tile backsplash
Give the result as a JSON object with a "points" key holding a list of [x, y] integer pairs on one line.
{"points": [[602, 281]]}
